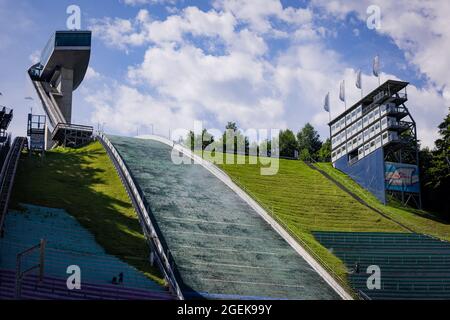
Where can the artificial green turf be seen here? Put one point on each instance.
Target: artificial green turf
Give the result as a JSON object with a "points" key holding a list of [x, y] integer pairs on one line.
{"points": [[84, 182], [418, 220]]}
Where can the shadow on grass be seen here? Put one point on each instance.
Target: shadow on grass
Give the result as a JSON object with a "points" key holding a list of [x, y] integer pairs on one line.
{"points": [[85, 184]]}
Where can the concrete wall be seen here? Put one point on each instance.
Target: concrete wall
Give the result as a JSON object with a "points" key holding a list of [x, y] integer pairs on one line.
{"points": [[65, 87]]}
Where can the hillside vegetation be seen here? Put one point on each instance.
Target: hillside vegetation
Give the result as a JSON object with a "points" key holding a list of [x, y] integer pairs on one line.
{"points": [[303, 200], [84, 182], [419, 221]]}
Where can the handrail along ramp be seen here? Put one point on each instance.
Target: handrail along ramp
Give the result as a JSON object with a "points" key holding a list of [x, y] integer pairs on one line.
{"points": [[7, 176], [140, 206]]}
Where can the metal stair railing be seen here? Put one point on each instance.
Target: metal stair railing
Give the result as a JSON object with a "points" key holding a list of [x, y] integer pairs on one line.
{"points": [[7, 176]]}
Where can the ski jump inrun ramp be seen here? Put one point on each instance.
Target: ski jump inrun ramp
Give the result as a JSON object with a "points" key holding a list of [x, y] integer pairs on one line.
{"points": [[210, 238]]}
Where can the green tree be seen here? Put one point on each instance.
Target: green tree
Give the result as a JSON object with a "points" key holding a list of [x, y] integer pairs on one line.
{"points": [[199, 140], [324, 153], [232, 133], [440, 168], [288, 143], [265, 148], [435, 172], [309, 140], [231, 126]]}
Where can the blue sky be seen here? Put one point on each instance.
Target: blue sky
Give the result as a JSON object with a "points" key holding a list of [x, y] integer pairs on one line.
{"points": [[261, 63]]}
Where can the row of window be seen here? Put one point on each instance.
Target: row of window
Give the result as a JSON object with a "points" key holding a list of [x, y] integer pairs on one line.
{"points": [[363, 123], [351, 120], [366, 148], [380, 95], [349, 137]]}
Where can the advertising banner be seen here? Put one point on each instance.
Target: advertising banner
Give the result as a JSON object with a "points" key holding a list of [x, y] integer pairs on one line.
{"points": [[401, 177]]}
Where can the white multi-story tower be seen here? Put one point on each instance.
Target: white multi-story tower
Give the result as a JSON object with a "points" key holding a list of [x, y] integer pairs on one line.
{"points": [[375, 143]]}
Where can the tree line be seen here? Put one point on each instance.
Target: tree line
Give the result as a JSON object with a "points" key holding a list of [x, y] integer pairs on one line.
{"points": [[305, 145], [435, 172]]}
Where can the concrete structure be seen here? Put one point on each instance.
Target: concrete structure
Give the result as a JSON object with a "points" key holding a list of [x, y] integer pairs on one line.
{"points": [[375, 143], [61, 69]]}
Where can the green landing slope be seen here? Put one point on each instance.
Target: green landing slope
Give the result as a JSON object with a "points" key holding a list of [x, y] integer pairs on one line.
{"points": [[85, 183]]}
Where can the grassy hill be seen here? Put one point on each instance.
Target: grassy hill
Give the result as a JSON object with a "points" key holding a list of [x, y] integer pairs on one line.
{"points": [[84, 183], [303, 200], [418, 220]]}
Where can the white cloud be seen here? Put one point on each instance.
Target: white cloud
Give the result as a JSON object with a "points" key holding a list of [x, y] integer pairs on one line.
{"points": [[229, 87], [122, 33], [422, 31], [92, 74], [420, 28], [228, 76], [143, 2], [257, 13], [125, 110], [35, 56]]}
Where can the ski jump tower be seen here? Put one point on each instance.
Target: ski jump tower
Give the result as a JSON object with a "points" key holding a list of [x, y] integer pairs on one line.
{"points": [[375, 143], [60, 71]]}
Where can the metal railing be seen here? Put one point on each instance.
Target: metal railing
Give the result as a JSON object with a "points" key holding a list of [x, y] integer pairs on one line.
{"points": [[70, 126], [49, 104], [7, 176], [162, 254], [20, 274], [99, 270]]}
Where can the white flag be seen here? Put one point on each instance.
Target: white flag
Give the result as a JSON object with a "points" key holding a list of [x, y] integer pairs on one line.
{"points": [[342, 91], [326, 104], [376, 66], [358, 80]]}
